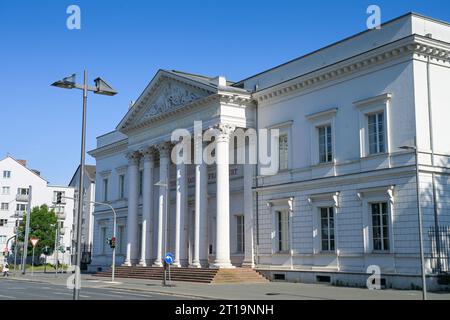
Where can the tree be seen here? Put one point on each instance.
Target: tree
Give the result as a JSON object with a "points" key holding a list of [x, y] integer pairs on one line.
{"points": [[42, 226]]}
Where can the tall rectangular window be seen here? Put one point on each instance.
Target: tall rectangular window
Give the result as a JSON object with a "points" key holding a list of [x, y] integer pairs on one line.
{"points": [[105, 189], [327, 228], [376, 129], [121, 186], [103, 239], [2, 239], [283, 152], [121, 239], [240, 234], [55, 196], [141, 181], [380, 226], [5, 190], [4, 206], [283, 230], [325, 144], [6, 174]]}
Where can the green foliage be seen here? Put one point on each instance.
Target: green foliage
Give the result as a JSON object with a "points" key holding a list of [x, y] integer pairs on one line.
{"points": [[42, 226]]}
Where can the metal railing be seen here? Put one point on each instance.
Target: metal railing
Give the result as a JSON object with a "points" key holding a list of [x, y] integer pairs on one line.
{"points": [[440, 249]]}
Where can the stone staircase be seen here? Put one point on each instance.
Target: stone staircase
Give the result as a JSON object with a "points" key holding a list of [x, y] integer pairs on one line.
{"points": [[200, 275]]}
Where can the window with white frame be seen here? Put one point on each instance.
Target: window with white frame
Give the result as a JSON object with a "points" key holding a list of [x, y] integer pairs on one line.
{"points": [[327, 229], [380, 226], [282, 220], [283, 152], [23, 191], [325, 144], [4, 206], [6, 174], [121, 186], [376, 132], [375, 124], [2, 239], [55, 196], [3, 222], [240, 234], [21, 207], [105, 189], [5, 190]]}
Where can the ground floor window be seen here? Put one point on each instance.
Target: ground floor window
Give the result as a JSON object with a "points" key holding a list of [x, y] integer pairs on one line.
{"points": [[102, 240], [282, 218], [380, 226], [327, 228], [240, 234]]}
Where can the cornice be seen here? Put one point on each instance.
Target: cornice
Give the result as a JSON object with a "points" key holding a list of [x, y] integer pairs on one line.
{"points": [[413, 45], [109, 149]]}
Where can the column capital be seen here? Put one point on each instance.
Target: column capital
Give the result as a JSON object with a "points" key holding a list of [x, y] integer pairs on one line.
{"points": [[164, 149], [133, 157], [148, 153], [225, 131]]}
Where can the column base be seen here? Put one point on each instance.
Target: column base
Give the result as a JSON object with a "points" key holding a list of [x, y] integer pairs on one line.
{"points": [[157, 264], [195, 265], [221, 265], [248, 264], [142, 263], [127, 263]]}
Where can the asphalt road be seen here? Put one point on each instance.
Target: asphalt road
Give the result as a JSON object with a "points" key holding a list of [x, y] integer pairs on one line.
{"points": [[24, 290]]}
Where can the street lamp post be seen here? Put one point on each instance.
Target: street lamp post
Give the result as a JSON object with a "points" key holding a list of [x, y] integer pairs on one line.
{"points": [[27, 233], [419, 213], [101, 87]]}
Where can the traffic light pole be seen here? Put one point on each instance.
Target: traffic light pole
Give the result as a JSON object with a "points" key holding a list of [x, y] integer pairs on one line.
{"points": [[113, 267]]}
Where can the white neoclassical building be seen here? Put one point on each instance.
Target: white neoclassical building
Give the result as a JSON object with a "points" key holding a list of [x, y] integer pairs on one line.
{"points": [[15, 180], [344, 196]]}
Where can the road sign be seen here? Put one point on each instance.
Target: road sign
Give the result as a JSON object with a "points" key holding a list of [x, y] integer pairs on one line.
{"points": [[34, 241], [169, 258]]}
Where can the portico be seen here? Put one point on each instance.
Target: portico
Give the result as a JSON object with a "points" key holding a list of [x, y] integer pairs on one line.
{"points": [[197, 235]]}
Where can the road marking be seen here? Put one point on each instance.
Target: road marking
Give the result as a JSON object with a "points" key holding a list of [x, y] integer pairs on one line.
{"points": [[132, 294], [62, 293], [7, 297]]}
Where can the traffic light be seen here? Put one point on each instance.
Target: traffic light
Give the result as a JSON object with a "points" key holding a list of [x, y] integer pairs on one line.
{"points": [[58, 197], [113, 242]]}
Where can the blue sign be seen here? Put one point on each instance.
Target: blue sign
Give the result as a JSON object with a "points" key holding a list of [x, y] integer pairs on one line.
{"points": [[169, 258]]}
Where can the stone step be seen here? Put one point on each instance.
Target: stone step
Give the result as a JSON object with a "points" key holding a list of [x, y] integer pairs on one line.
{"points": [[200, 275]]}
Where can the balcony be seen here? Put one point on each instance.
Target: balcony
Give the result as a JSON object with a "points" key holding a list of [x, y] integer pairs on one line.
{"points": [[22, 197], [61, 215], [19, 214]]}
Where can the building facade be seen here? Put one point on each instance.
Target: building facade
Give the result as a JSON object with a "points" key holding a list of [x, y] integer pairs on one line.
{"points": [[15, 179], [87, 221], [343, 198]]}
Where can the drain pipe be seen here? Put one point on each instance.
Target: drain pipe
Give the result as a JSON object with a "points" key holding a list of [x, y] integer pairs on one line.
{"points": [[430, 126]]}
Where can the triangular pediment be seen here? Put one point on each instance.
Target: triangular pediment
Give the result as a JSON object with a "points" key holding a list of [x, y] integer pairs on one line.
{"points": [[167, 92]]}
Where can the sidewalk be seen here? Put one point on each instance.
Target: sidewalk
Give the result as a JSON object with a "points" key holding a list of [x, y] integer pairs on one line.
{"points": [[269, 291]]}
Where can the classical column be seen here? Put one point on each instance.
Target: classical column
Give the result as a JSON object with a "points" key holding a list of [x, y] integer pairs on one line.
{"points": [[248, 216], [164, 152], [147, 205], [201, 219], [132, 220], [223, 198], [181, 239]]}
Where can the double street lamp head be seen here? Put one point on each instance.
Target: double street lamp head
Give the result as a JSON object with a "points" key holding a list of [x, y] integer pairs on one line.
{"points": [[101, 86]]}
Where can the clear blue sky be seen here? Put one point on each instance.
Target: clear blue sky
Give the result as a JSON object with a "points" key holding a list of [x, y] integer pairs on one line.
{"points": [[126, 42]]}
